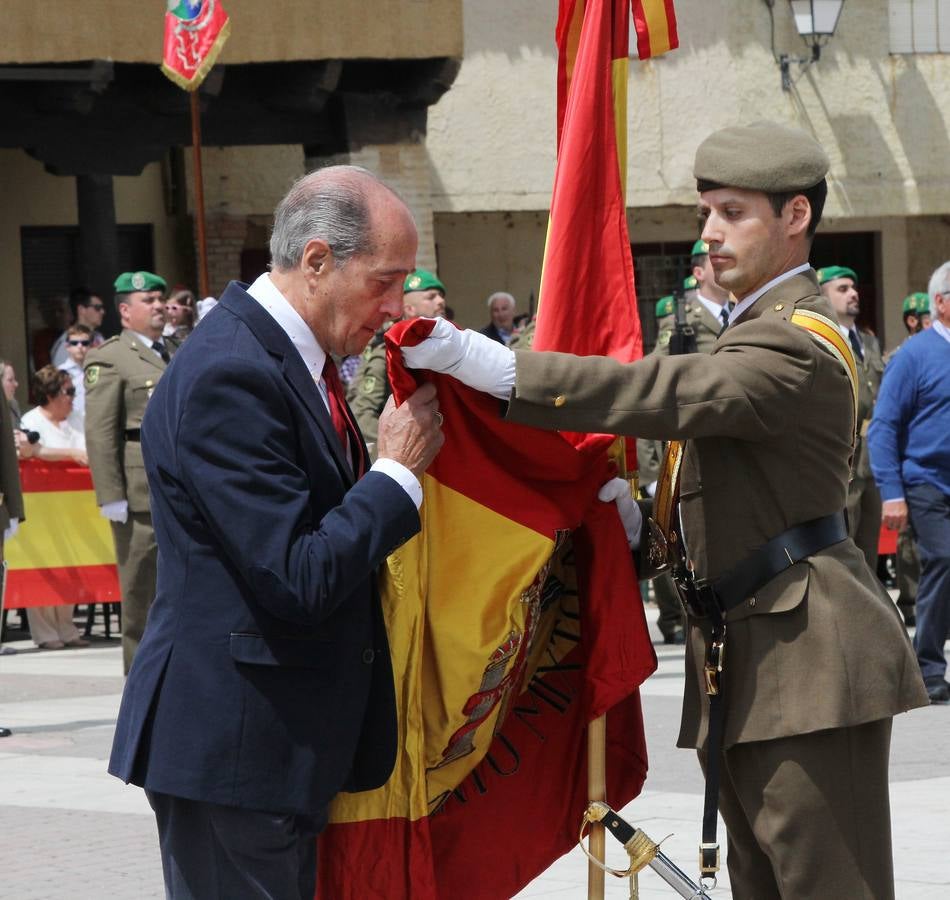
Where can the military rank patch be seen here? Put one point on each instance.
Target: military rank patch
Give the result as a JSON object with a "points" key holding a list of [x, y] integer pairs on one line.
{"points": [[91, 376], [663, 338], [368, 384]]}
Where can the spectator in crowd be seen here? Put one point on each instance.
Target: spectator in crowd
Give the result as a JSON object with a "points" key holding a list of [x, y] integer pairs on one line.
{"points": [[10, 384], [59, 428], [916, 313], [51, 627], [85, 309], [910, 458], [839, 285], [78, 341], [54, 311], [501, 306], [180, 314]]}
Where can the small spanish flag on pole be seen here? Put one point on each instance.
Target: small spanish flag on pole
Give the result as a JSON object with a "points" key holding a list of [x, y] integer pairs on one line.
{"points": [[655, 22], [195, 32]]}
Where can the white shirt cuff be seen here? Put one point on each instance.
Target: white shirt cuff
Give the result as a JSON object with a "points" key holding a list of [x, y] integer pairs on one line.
{"points": [[402, 476]]}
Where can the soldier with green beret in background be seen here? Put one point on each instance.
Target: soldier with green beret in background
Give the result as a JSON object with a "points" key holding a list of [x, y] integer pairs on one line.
{"points": [[120, 376], [839, 285]]}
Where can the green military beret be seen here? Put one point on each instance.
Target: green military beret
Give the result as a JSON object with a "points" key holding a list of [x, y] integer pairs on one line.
{"points": [[665, 306], [763, 156], [690, 283], [128, 282], [916, 304], [830, 273], [421, 280], [700, 248]]}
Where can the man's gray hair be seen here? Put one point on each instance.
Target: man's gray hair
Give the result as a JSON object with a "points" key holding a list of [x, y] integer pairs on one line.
{"points": [[328, 204], [500, 295], [939, 284]]}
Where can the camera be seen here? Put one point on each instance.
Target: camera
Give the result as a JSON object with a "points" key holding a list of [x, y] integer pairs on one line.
{"points": [[32, 436]]}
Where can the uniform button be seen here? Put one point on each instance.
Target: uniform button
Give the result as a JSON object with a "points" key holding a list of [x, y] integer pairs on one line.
{"points": [[779, 307], [369, 656], [560, 400]]}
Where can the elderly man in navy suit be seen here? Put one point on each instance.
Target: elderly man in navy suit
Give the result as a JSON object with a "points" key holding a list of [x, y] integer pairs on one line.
{"points": [[263, 685]]}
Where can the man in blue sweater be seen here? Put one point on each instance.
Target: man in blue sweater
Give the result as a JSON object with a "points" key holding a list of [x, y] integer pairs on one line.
{"points": [[909, 441]]}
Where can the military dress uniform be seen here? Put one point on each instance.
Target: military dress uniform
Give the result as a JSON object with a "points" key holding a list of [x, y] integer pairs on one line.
{"points": [[120, 377], [817, 661], [864, 499]]}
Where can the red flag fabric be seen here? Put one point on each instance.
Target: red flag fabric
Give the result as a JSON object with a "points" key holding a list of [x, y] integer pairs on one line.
{"points": [[195, 32]]}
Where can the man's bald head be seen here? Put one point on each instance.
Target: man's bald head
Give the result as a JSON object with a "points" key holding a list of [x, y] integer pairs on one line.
{"points": [[330, 204]]}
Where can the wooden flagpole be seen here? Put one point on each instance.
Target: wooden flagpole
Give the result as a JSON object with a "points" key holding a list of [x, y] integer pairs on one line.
{"points": [[199, 196], [596, 790]]}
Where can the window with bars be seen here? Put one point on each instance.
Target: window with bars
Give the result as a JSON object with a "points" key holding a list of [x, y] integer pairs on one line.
{"points": [[919, 26]]}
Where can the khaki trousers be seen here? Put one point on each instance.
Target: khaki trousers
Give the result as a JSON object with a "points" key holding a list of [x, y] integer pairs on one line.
{"points": [[808, 816], [137, 556]]}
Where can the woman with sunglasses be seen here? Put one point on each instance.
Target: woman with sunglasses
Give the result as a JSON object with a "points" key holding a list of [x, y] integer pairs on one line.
{"points": [[60, 429], [61, 437]]}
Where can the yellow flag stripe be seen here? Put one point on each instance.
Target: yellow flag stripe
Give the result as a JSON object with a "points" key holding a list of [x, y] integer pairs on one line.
{"points": [[658, 25], [618, 75], [62, 528]]}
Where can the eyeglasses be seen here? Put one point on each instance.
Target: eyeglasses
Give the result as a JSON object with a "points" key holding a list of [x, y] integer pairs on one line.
{"points": [[98, 307], [82, 343], [70, 392]]}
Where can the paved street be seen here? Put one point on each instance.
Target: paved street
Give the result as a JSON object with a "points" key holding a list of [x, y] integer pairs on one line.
{"points": [[71, 832]]}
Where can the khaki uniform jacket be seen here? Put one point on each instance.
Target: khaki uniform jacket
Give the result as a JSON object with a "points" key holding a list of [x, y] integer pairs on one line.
{"points": [[870, 372], [768, 419], [707, 328], [11, 498], [369, 391], [121, 375]]}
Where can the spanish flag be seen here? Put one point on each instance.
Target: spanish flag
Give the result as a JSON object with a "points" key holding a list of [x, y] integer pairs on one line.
{"points": [[63, 553], [515, 617]]}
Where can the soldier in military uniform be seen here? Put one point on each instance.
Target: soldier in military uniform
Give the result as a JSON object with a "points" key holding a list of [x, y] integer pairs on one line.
{"points": [[838, 284], [796, 658], [120, 376], [423, 295]]}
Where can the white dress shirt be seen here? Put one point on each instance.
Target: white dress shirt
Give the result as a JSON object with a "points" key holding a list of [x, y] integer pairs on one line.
{"points": [[746, 302], [265, 292], [941, 329]]}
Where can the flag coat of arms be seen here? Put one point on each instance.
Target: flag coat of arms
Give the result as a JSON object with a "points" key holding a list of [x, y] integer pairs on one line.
{"points": [[195, 32]]}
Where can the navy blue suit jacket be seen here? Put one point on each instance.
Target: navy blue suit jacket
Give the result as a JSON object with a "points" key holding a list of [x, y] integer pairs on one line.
{"points": [[263, 679]]}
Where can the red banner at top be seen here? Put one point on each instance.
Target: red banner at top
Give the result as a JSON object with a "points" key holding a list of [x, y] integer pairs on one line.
{"points": [[195, 32]]}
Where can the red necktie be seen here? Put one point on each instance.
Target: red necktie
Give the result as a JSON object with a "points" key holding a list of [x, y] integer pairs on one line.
{"points": [[343, 423]]}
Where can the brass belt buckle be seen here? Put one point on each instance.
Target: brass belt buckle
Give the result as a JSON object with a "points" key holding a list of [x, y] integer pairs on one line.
{"points": [[713, 667]]}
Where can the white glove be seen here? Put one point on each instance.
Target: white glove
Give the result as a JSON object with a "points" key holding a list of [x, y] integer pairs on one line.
{"points": [[472, 358], [116, 511], [11, 529], [618, 490]]}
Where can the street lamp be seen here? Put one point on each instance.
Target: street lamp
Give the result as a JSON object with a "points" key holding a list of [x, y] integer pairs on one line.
{"points": [[816, 21]]}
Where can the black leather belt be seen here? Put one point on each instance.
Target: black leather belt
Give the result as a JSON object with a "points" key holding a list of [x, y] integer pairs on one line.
{"points": [[790, 547], [762, 565], [133, 434]]}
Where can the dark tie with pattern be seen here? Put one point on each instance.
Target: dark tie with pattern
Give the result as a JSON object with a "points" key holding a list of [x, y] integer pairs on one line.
{"points": [[724, 315], [856, 344], [160, 348], [343, 423]]}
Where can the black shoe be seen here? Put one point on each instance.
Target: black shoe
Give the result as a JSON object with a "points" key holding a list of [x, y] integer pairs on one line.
{"points": [[676, 636], [5, 732], [939, 692]]}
